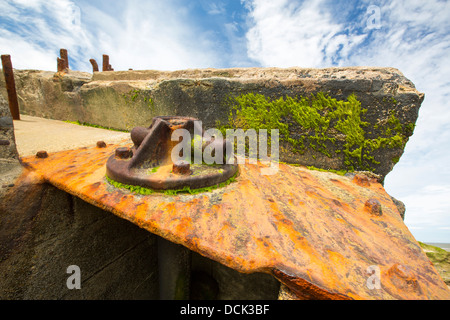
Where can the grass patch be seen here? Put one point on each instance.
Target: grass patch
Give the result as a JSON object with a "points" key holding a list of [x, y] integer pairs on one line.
{"points": [[435, 254]]}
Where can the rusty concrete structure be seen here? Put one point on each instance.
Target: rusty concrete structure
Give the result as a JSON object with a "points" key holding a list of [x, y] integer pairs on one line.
{"points": [[149, 162], [64, 56], [8, 73], [318, 233], [311, 230]]}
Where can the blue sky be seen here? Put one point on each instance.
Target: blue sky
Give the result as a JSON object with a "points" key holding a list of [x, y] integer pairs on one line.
{"points": [[413, 36]]}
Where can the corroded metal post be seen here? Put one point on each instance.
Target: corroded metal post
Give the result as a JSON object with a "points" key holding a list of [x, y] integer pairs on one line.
{"points": [[105, 62], [65, 57], [61, 65], [94, 65], [10, 86], [106, 66]]}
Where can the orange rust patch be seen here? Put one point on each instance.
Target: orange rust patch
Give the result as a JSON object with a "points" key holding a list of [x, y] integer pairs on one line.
{"points": [[307, 228]]}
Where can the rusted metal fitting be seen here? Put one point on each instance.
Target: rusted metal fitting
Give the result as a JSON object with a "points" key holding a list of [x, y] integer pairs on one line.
{"points": [[101, 144], [361, 180], [403, 278], [105, 62], [151, 163], [123, 153], [106, 66], [10, 86], [61, 65], [64, 56], [42, 154], [138, 135], [181, 167], [374, 207], [94, 65]]}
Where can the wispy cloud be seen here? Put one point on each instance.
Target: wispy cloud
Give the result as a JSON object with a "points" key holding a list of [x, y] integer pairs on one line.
{"points": [[291, 33], [215, 8], [34, 31]]}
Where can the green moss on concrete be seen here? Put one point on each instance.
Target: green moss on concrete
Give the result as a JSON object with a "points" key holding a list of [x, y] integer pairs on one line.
{"points": [[94, 126], [139, 96], [169, 192], [339, 172], [319, 120], [134, 189]]}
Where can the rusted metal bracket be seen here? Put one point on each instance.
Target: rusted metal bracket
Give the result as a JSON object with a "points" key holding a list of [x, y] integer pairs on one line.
{"points": [[10, 86], [106, 66], [64, 56], [94, 65], [149, 162], [62, 61]]}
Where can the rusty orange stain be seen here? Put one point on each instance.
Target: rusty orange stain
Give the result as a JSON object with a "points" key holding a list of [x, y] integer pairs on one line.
{"points": [[307, 228]]}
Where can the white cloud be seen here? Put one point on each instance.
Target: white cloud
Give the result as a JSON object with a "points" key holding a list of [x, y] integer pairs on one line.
{"points": [[158, 35], [40, 29], [305, 34], [26, 55], [215, 8]]}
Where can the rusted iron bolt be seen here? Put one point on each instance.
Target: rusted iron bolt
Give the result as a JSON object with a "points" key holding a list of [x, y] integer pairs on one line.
{"points": [[361, 180], [124, 153], [374, 207], [101, 144], [42, 154], [181, 167]]}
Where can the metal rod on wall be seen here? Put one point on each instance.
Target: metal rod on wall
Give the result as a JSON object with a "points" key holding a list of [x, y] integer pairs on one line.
{"points": [[10, 86]]}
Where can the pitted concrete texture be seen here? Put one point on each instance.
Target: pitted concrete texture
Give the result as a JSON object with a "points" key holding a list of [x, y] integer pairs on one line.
{"points": [[34, 134]]}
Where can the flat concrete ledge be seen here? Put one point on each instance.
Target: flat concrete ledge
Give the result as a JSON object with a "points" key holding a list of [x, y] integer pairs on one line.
{"points": [[44, 230], [126, 99], [34, 134]]}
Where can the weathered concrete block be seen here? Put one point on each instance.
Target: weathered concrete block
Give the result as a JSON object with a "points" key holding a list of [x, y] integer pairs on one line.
{"points": [[10, 167], [372, 137], [8, 148], [212, 280], [44, 230]]}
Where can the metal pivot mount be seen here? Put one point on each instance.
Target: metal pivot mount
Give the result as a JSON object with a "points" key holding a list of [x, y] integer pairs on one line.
{"points": [[149, 162]]}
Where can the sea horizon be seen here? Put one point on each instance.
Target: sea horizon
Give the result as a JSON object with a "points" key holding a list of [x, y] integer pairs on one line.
{"points": [[442, 245]]}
